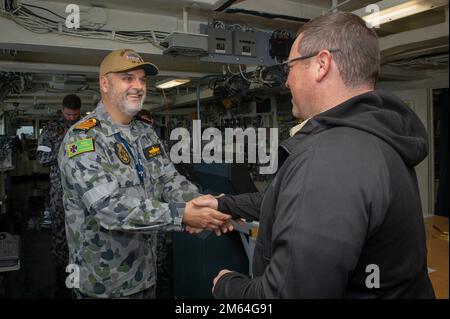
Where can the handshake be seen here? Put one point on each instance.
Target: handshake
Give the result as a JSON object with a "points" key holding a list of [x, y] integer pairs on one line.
{"points": [[201, 213]]}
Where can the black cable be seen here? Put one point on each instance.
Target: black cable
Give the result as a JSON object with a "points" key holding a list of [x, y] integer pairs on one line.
{"points": [[206, 77], [267, 15], [143, 31], [225, 6]]}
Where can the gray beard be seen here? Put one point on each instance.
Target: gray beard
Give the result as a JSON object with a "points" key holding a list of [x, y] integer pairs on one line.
{"points": [[125, 109]]}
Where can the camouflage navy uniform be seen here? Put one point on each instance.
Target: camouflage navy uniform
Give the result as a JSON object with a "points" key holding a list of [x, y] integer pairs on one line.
{"points": [[47, 155], [112, 217]]}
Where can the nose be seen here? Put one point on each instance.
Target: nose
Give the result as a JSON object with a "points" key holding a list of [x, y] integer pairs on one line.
{"points": [[286, 83], [139, 85]]}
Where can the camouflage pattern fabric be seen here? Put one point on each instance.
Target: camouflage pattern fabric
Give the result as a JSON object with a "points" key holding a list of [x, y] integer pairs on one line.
{"points": [[47, 155], [112, 219]]}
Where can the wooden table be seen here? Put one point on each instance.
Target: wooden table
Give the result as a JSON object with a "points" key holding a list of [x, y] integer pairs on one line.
{"points": [[437, 244]]}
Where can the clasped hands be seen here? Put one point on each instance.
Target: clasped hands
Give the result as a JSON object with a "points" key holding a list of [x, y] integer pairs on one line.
{"points": [[201, 213]]}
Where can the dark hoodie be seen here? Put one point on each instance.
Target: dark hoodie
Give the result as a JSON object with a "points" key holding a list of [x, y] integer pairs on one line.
{"points": [[343, 209]]}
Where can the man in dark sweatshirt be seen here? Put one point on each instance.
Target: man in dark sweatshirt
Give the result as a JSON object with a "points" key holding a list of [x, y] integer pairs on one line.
{"points": [[342, 217]]}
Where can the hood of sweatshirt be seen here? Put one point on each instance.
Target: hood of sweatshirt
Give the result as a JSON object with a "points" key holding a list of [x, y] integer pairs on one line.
{"points": [[379, 113]]}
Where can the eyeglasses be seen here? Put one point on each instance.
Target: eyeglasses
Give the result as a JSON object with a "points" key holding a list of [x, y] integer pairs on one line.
{"points": [[286, 67]]}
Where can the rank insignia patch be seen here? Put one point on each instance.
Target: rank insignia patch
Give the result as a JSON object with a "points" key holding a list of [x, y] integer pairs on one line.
{"points": [[86, 125], [80, 147], [152, 151], [122, 153]]}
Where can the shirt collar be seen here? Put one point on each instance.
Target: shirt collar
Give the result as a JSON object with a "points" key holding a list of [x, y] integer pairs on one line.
{"points": [[297, 128]]}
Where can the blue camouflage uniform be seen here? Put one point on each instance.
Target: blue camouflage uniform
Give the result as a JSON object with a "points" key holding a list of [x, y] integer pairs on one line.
{"points": [[120, 188]]}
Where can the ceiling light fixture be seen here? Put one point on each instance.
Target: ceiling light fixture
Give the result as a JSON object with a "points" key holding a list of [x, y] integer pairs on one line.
{"points": [[401, 11], [170, 83]]}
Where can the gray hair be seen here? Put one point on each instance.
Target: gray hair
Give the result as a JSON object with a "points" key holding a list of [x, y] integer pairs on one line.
{"points": [[358, 58]]}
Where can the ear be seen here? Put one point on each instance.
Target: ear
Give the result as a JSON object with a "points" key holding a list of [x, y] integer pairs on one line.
{"points": [[323, 65], [103, 83]]}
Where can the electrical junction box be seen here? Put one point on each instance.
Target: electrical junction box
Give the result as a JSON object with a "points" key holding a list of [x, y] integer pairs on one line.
{"points": [[258, 48], [68, 82], [189, 44], [220, 41], [244, 43]]}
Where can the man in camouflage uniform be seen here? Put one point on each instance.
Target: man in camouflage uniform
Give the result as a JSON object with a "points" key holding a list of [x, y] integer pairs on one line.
{"points": [[120, 189], [47, 155]]}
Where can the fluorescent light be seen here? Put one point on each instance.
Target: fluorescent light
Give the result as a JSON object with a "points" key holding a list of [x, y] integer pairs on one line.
{"points": [[170, 83], [401, 11]]}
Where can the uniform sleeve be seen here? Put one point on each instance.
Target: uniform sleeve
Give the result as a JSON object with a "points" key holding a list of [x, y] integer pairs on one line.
{"points": [[46, 153], [242, 206], [176, 187], [90, 179]]}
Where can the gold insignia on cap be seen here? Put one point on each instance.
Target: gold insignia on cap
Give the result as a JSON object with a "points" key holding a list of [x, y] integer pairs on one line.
{"points": [[133, 57], [86, 125], [122, 153]]}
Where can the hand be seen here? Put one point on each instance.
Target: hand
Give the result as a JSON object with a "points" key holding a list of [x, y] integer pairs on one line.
{"points": [[219, 275], [211, 202], [193, 230], [226, 227], [207, 201], [203, 218], [206, 198]]}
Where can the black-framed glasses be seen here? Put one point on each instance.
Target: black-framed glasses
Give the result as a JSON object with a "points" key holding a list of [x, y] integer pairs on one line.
{"points": [[286, 67]]}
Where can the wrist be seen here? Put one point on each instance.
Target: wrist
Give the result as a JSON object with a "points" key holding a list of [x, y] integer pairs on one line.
{"points": [[177, 212]]}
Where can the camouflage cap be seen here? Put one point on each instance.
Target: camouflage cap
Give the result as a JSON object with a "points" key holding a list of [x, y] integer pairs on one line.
{"points": [[123, 60]]}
